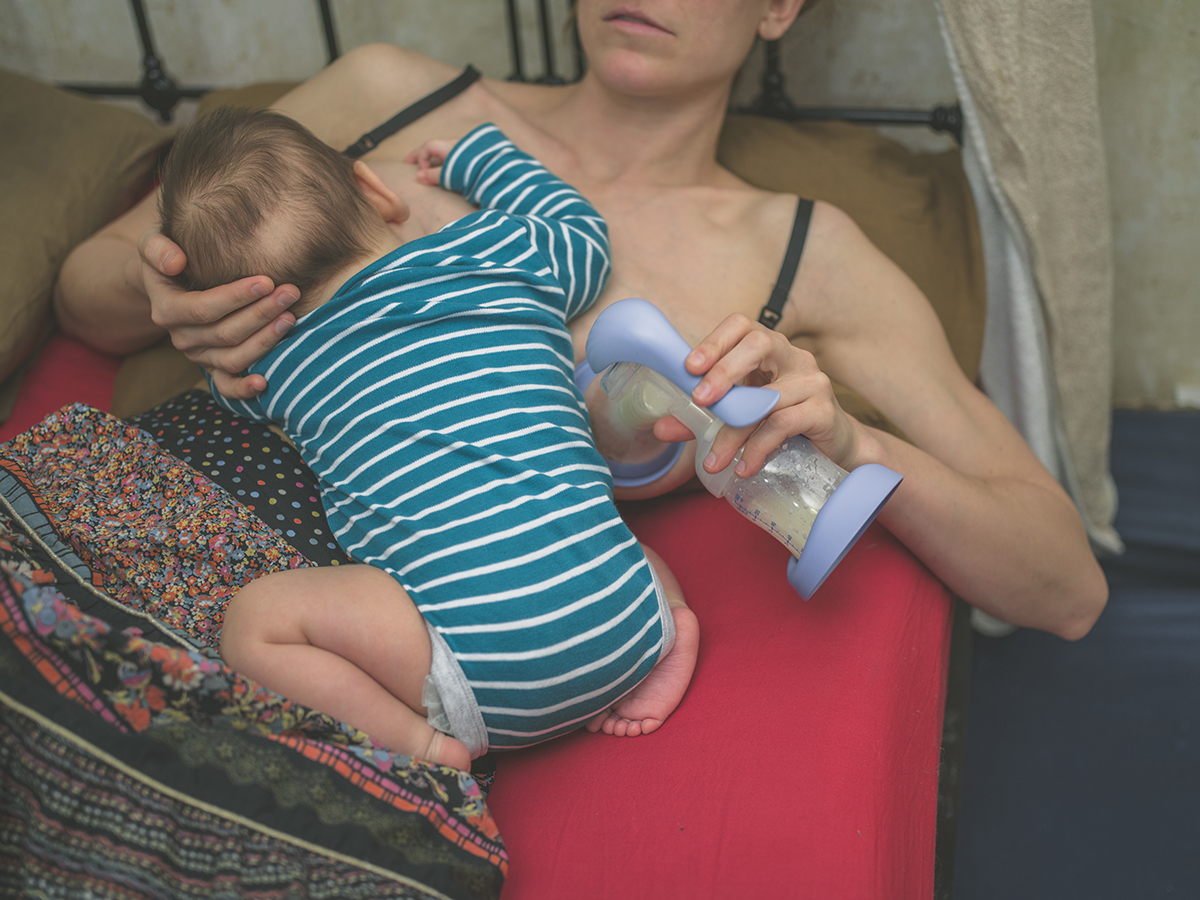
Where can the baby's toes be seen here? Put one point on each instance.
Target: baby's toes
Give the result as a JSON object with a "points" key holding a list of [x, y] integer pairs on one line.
{"points": [[598, 721]]}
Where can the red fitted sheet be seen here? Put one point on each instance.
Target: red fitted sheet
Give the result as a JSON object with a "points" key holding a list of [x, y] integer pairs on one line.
{"points": [[802, 762], [65, 371]]}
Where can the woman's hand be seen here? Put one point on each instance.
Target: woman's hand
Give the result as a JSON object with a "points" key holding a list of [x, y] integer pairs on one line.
{"points": [[428, 159], [223, 329], [740, 351]]}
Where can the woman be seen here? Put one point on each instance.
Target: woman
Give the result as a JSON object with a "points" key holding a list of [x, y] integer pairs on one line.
{"points": [[638, 137]]}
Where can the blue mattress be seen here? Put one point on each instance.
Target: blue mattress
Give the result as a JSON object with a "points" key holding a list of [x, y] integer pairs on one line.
{"points": [[1082, 768]]}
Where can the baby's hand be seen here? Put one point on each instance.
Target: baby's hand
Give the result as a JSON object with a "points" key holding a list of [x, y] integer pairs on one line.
{"points": [[429, 159]]}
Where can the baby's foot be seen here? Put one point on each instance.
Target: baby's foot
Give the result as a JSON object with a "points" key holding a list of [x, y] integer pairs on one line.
{"points": [[646, 707]]}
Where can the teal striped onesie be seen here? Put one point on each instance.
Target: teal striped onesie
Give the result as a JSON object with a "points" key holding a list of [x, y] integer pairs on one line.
{"points": [[434, 397]]}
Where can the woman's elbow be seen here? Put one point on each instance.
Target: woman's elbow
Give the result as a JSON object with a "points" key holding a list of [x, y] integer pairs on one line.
{"points": [[1088, 599]]}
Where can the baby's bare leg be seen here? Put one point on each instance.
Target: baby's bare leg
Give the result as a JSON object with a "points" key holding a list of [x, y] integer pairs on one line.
{"points": [[347, 641], [647, 706]]}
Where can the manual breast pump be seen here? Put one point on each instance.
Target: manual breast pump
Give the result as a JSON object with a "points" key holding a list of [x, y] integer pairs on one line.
{"points": [[802, 498]]}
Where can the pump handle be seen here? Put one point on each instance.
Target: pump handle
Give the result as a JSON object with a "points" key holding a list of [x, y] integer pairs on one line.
{"points": [[635, 330]]}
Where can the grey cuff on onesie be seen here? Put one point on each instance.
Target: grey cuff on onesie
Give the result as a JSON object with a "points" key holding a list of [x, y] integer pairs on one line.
{"points": [[451, 702], [664, 613]]}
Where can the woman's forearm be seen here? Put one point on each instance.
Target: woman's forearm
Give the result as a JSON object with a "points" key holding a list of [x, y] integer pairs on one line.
{"points": [[1015, 548], [99, 298]]}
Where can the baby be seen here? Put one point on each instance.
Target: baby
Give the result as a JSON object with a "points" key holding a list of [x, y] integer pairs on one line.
{"points": [[429, 384]]}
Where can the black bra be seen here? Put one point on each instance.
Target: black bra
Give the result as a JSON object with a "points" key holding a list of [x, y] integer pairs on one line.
{"points": [[773, 311], [411, 113], [770, 313]]}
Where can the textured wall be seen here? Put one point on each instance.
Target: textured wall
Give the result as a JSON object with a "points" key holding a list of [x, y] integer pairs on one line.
{"points": [[878, 52], [226, 43], [1149, 64]]}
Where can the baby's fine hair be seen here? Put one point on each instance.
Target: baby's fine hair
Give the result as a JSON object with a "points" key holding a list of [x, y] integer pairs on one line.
{"points": [[253, 192]]}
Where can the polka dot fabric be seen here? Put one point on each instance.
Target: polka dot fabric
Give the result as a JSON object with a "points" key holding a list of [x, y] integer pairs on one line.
{"points": [[257, 466]]}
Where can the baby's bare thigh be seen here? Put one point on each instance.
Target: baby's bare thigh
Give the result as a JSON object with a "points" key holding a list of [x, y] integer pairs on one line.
{"points": [[357, 612]]}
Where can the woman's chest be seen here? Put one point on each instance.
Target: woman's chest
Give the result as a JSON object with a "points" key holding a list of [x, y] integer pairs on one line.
{"points": [[697, 265]]}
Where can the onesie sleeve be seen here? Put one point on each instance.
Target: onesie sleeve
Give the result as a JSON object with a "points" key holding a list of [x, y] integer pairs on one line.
{"points": [[251, 409], [568, 232]]}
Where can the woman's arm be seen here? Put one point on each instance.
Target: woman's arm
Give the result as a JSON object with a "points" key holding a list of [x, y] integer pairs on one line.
{"points": [[99, 296], [107, 298], [104, 290], [975, 506]]}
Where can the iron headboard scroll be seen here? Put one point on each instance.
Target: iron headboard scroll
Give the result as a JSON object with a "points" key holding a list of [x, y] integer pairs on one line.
{"points": [[774, 101], [157, 89]]}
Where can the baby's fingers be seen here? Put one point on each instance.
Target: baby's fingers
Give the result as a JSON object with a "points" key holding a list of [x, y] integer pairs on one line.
{"points": [[431, 154], [430, 175]]}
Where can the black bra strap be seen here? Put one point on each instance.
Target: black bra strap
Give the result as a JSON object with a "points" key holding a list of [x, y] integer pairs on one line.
{"points": [[773, 311], [413, 112]]}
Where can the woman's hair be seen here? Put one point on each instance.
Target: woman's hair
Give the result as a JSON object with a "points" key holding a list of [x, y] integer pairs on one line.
{"points": [[253, 192]]}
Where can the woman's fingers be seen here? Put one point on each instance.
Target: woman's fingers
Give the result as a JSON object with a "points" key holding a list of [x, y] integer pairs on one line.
{"points": [[741, 351], [234, 359], [223, 318], [171, 307], [224, 329], [738, 351]]}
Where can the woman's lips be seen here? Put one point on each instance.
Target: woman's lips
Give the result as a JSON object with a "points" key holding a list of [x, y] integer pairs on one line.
{"points": [[635, 22]]}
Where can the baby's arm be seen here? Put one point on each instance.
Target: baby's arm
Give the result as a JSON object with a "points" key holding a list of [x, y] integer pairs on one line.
{"points": [[428, 159], [567, 231]]}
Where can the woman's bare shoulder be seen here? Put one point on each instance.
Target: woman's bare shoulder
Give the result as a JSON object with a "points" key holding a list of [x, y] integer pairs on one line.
{"points": [[387, 67], [363, 88], [855, 302], [842, 274]]}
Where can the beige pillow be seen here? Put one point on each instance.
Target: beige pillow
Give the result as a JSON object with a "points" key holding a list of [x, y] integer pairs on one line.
{"points": [[916, 207], [68, 165]]}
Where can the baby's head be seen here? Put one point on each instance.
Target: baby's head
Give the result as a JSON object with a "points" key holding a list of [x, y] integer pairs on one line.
{"points": [[253, 192]]}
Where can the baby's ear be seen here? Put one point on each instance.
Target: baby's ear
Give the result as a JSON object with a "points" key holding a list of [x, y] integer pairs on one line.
{"points": [[378, 194]]}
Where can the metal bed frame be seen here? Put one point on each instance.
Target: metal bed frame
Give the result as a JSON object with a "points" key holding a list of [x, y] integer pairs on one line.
{"points": [[159, 91]]}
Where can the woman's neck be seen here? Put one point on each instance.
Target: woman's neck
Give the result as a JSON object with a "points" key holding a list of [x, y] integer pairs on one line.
{"points": [[616, 138]]}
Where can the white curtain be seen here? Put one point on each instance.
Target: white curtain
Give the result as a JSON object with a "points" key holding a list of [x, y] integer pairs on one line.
{"points": [[1026, 78]]}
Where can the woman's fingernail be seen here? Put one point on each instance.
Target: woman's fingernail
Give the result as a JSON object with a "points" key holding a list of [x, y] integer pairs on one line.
{"points": [[710, 460], [286, 299], [696, 358], [740, 468], [166, 259], [258, 289], [283, 326]]}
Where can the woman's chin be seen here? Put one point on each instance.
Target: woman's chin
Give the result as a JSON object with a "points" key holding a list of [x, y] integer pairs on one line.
{"points": [[637, 75]]}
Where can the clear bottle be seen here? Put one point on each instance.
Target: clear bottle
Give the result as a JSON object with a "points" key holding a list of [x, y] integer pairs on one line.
{"points": [[785, 497], [808, 503]]}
